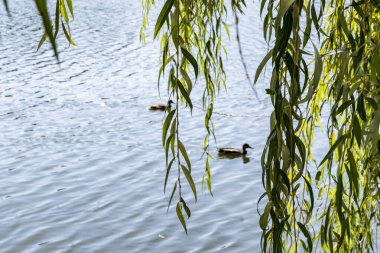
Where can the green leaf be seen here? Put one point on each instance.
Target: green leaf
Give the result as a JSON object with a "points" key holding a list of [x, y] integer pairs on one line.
{"points": [[307, 235], [318, 67], [310, 189], [70, 5], [171, 196], [262, 64], [191, 59], [344, 106], [43, 10], [184, 154], [43, 39], [187, 80], [184, 93], [165, 128], [361, 108], [333, 147], [64, 12], [68, 36], [190, 181], [354, 172], [187, 209], [164, 14], [208, 180], [265, 215], [343, 25], [226, 29], [357, 130], [169, 141], [284, 6], [57, 17], [372, 103], [180, 216], [168, 172]]}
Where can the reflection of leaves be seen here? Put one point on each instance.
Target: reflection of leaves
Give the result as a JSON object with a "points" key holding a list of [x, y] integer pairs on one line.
{"points": [[6, 6]]}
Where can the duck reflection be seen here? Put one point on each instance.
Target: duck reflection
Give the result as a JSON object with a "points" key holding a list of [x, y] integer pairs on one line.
{"points": [[244, 158]]}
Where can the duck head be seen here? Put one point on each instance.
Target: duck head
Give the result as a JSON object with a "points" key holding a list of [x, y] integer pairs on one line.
{"points": [[245, 146], [170, 102]]}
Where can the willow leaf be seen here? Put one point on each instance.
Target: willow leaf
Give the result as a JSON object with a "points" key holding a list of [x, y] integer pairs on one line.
{"points": [[43, 39], [333, 147], [70, 5], [172, 195], [190, 181], [168, 172], [318, 67], [191, 59], [68, 36], [262, 64], [180, 216], [187, 209], [284, 6], [165, 128], [307, 235], [184, 154], [164, 14], [265, 215], [184, 93], [43, 10]]}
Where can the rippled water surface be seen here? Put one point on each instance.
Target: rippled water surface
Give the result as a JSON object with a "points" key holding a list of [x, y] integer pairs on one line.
{"points": [[81, 162]]}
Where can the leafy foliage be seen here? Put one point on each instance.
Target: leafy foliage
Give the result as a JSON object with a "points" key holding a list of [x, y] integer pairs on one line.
{"points": [[343, 78], [62, 10]]}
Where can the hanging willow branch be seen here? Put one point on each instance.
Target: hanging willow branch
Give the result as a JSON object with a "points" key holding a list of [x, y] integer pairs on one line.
{"points": [[342, 79], [343, 76], [62, 20]]}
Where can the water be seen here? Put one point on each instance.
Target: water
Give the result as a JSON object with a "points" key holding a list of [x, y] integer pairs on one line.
{"points": [[81, 162]]}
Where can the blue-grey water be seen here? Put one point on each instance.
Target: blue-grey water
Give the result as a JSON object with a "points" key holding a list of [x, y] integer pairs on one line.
{"points": [[81, 163]]}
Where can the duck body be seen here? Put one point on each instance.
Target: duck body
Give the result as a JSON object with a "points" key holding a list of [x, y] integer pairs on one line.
{"points": [[234, 151], [161, 107]]}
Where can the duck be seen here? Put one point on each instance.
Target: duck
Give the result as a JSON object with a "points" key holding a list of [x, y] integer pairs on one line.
{"points": [[235, 151], [162, 107]]}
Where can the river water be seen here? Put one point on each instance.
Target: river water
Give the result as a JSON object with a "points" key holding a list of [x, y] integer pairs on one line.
{"points": [[81, 162]]}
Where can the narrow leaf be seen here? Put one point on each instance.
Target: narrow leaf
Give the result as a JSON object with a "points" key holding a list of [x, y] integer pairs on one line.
{"points": [[68, 36], [180, 216], [165, 128], [171, 196], [42, 9], [190, 181], [191, 59], [265, 215], [168, 172], [184, 154], [333, 147], [184, 93], [164, 14], [262, 64], [317, 67], [307, 235], [70, 5]]}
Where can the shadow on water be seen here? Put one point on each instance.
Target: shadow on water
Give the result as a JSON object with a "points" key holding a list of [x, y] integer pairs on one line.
{"points": [[244, 158]]}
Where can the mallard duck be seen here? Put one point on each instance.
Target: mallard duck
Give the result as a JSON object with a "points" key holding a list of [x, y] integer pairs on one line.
{"points": [[162, 107], [235, 151]]}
